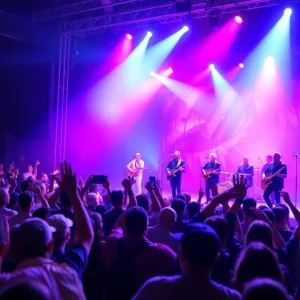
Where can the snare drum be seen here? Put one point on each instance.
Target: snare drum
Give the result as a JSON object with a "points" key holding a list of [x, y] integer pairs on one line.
{"points": [[224, 186]]}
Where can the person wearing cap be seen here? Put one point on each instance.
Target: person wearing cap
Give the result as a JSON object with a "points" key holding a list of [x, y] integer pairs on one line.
{"points": [[135, 168], [33, 252], [200, 247]]}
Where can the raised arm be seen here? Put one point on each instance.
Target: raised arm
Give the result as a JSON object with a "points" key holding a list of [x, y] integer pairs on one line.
{"points": [[128, 190], [295, 211], [68, 184], [155, 203], [34, 172]]}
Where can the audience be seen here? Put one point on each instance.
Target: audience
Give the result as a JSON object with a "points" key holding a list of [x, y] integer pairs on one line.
{"points": [[59, 240], [200, 249], [161, 233]]}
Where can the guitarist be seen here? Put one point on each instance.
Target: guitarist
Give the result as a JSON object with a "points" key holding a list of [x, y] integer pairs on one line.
{"points": [[135, 168], [277, 181], [211, 171], [175, 181]]}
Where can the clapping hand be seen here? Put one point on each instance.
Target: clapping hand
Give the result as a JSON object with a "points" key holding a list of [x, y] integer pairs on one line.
{"points": [[239, 189]]}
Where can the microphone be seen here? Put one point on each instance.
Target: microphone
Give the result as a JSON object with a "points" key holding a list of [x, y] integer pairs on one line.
{"points": [[172, 154], [295, 154], [260, 159]]}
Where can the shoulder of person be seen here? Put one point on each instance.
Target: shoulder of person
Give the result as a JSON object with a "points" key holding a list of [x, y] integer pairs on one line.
{"points": [[230, 293], [153, 287]]}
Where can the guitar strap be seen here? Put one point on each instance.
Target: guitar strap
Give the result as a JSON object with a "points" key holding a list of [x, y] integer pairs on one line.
{"points": [[178, 163]]}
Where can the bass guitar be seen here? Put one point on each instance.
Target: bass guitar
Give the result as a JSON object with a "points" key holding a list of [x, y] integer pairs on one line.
{"points": [[174, 171], [265, 182]]}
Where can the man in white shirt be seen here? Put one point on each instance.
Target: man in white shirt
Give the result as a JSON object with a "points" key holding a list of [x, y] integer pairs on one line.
{"points": [[4, 199], [135, 168], [31, 171]]}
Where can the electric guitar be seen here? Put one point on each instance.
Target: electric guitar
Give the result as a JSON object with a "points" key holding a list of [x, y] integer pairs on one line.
{"points": [[265, 182], [174, 171], [208, 174]]}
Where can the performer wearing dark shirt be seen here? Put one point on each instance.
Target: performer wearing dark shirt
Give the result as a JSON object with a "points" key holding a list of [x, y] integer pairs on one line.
{"points": [[269, 159], [175, 181], [211, 172], [277, 182], [246, 170]]}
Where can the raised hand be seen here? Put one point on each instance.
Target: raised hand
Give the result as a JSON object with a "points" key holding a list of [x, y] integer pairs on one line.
{"points": [[68, 182], [56, 172], [285, 196], [37, 163], [126, 184], [148, 187], [36, 189], [106, 184], [239, 189]]}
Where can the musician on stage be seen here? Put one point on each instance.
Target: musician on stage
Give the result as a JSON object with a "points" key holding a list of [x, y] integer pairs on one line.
{"points": [[269, 159], [175, 181], [277, 182], [211, 171], [135, 168], [248, 171]]}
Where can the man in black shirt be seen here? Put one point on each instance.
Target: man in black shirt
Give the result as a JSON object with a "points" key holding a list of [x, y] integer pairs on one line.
{"points": [[211, 172], [277, 182], [176, 164]]}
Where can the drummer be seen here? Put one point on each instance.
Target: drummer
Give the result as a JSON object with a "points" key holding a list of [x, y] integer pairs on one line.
{"points": [[246, 170]]}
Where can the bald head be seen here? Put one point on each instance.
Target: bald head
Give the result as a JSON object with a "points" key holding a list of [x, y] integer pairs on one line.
{"points": [[167, 217], [4, 196], [92, 199]]}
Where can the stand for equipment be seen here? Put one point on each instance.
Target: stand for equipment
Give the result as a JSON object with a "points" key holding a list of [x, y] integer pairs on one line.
{"points": [[296, 178]]}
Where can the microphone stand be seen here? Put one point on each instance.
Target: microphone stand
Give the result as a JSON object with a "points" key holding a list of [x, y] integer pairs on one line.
{"points": [[296, 178]]}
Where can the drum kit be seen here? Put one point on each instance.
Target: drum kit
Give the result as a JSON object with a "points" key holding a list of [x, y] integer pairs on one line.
{"points": [[226, 183]]}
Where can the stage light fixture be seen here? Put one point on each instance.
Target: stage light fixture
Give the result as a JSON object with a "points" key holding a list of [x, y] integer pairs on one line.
{"points": [[128, 36], [238, 19], [185, 28], [288, 11], [211, 67], [152, 73], [241, 65], [149, 34]]}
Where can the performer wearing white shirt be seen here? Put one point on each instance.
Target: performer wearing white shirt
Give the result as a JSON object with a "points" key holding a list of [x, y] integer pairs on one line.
{"points": [[136, 168]]}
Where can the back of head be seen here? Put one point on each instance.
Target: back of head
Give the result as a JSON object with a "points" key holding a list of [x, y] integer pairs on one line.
{"points": [[13, 200], [193, 208], [200, 246], [269, 213], [143, 201], [24, 289], [25, 200], [263, 207], [279, 215], [265, 288], [42, 213], [25, 186], [188, 198], [34, 236], [4, 196], [260, 231], [178, 205], [220, 225], [256, 260], [167, 218], [92, 199], [136, 221], [117, 198], [181, 196], [247, 204]]}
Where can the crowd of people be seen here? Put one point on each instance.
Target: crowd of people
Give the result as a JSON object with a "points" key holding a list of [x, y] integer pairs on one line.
{"points": [[61, 238]]}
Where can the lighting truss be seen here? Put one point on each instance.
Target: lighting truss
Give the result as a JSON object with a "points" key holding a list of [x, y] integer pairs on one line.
{"points": [[89, 17], [11, 26]]}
